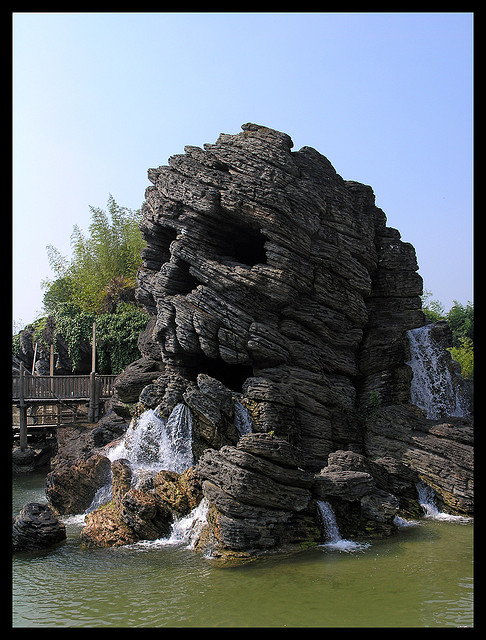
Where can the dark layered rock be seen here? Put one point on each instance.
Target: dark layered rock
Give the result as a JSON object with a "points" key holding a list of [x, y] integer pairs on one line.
{"points": [[129, 384], [270, 273], [111, 427], [342, 483], [388, 474], [274, 283], [440, 452], [31, 458], [358, 490], [36, 527], [73, 441], [260, 497]]}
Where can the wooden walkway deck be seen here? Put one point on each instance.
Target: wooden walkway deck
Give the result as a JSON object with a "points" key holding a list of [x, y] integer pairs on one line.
{"points": [[55, 389], [33, 394]]}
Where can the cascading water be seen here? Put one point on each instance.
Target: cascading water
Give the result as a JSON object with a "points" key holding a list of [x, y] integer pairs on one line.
{"points": [[431, 387], [184, 531], [242, 419], [152, 443], [331, 530], [426, 498]]}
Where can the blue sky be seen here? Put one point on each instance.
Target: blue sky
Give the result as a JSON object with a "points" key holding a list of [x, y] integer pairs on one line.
{"points": [[99, 98]]}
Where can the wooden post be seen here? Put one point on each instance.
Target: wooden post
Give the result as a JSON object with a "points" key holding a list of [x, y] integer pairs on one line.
{"points": [[23, 410], [51, 365], [93, 349], [33, 361], [92, 410]]}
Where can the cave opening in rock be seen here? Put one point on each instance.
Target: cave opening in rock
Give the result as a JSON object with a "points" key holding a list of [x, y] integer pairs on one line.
{"points": [[241, 243], [231, 375], [158, 252], [182, 280]]}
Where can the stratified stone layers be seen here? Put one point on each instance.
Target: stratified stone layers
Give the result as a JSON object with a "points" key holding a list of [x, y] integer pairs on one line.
{"points": [[269, 272]]}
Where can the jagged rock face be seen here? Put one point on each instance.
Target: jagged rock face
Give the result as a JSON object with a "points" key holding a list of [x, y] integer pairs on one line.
{"points": [[72, 484], [267, 271], [441, 453]]}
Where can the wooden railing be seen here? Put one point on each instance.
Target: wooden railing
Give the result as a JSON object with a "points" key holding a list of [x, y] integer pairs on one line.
{"points": [[60, 387], [29, 390]]}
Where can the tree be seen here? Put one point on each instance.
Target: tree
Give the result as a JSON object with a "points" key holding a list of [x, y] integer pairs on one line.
{"points": [[461, 321], [116, 334], [104, 265], [433, 309], [464, 355], [98, 284]]}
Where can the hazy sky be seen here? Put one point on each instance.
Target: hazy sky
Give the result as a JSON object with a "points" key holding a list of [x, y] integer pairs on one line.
{"points": [[99, 98]]}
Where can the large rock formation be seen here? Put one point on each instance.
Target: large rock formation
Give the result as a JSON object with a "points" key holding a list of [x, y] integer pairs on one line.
{"points": [[275, 286], [270, 273]]}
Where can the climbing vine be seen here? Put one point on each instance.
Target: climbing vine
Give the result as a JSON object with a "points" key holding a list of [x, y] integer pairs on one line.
{"points": [[117, 335]]}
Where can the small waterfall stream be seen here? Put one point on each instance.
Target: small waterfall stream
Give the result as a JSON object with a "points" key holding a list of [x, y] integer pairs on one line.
{"points": [[331, 530], [184, 531], [426, 498], [242, 419], [431, 387], [152, 443]]}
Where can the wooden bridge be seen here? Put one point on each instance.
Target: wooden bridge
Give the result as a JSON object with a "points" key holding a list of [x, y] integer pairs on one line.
{"points": [[30, 392]]}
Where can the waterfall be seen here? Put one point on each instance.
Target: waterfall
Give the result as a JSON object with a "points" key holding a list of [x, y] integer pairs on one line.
{"points": [[178, 455], [102, 496], [242, 419], [431, 387], [152, 443], [328, 519], [184, 532], [331, 530], [426, 498]]}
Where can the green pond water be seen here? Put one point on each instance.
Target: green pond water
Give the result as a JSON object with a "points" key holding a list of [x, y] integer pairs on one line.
{"points": [[422, 577]]}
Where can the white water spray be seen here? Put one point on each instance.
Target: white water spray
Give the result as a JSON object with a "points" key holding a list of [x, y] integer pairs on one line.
{"points": [[331, 530], [184, 532], [426, 498], [431, 387], [152, 443]]}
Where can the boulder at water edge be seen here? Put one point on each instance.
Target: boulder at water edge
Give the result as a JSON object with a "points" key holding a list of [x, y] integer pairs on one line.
{"points": [[36, 527]]}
